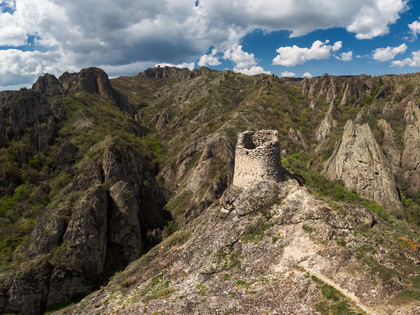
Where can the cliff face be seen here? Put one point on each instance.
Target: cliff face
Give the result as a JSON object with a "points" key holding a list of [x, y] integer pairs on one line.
{"points": [[134, 174], [98, 206], [360, 163]]}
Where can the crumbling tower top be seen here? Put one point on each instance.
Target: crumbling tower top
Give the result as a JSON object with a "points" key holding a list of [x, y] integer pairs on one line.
{"points": [[257, 157]]}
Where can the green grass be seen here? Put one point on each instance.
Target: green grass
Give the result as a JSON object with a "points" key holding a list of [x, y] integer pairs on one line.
{"points": [[255, 233], [332, 301], [202, 289], [179, 203]]}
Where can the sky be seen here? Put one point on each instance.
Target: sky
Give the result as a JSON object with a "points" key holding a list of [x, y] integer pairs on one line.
{"points": [[294, 38]]}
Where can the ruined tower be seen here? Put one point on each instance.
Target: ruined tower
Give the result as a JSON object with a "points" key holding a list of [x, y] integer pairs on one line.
{"points": [[257, 157]]}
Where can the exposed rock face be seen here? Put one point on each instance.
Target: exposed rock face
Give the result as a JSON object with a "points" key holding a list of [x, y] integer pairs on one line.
{"points": [[257, 157], [48, 85], [410, 157], [204, 169], [359, 162], [24, 108], [27, 294], [167, 72], [124, 225], [86, 234], [327, 124], [297, 138], [93, 80], [44, 134], [104, 229], [389, 146]]}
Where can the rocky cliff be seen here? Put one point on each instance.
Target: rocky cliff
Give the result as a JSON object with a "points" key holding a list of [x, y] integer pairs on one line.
{"points": [[360, 163]]}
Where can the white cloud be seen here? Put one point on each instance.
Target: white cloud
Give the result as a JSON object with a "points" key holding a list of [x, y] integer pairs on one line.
{"points": [[189, 66], [251, 71], [388, 53], [12, 36], [292, 56], [345, 56], [22, 67], [414, 61], [415, 28], [117, 34], [288, 74], [373, 17], [307, 75], [209, 59], [241, 58]]}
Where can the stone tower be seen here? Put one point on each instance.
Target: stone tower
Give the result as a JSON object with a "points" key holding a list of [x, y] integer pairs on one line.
{"points": [[257, 157]]}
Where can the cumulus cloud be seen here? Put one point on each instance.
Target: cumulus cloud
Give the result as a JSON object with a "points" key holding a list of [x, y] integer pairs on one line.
{"points": [[415, 28], [12, 36], [414, 61], [21, 67], [210, 59], [241, 58], [189, 66], [116, 34], [292, 56], [345, 56], [252, 71], [288, 74], [373, 17], [388, 53], [307, 75]]}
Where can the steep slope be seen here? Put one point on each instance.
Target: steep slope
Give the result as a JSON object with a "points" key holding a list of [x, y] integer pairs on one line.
{"points": [[83, 201], [271, 248]]}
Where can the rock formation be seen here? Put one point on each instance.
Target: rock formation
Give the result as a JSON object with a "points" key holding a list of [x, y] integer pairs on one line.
{"points": [[360, 163], [327, 124]]}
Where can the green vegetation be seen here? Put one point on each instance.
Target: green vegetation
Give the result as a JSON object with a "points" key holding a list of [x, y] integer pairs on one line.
{"points": [[179, 203], [158, 288], [202, 289], [245, 286], [255, 233], [370, 96], [333, 302]]}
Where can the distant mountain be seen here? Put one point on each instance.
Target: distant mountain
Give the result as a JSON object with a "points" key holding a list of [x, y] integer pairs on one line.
{"points": [[129, 181]]}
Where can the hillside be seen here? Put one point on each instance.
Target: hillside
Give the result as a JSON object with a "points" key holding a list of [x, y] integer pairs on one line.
{"points": [[130, 179]]}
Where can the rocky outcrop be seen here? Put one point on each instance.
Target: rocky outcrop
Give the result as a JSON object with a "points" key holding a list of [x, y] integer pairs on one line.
{"points": [[28, 292], [297, 138], [166, 72], [101, 224], [93, 80], [389, 146], [327, 124], [24, 108], [360, 163], [48, 85], [86, 234], [124, 221], [410, 158], [203, 169], [44, 134]]}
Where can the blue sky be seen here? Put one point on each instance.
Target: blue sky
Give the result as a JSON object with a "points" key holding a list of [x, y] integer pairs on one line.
{"points": [[282, 37]]}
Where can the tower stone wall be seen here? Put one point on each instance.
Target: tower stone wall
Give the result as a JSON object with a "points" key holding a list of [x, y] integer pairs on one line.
{"points": [[257, 157]]}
